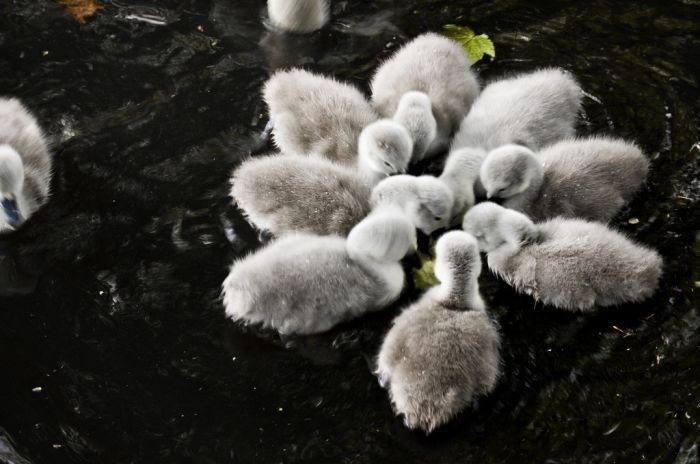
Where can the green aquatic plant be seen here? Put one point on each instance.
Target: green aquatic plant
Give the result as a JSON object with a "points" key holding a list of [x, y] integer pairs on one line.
{"points": [[424, 277], [475, 45]]}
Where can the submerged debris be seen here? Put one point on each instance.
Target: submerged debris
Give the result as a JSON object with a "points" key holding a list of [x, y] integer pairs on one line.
{"points": [[81, 9]]}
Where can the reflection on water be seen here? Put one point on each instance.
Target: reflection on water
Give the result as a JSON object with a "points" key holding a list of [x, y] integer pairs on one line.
{"points": [[113, 342]]}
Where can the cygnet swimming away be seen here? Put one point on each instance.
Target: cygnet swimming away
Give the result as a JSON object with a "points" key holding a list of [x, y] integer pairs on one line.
{"points": [[25, 165], [285, 194], [589, 178], [567, 263], [298, 15], [317, 115], [438, 67], [304, 284], [442, 352]]}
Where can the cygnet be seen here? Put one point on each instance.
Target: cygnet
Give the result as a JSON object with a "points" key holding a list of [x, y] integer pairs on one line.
{"points": [[461, 175], [25, 165], [442, 352], [425, 199], [304, 284], [438, 67], [284, 194], [591, 178], [533, 109], [567, 263], [316, 115], [416, 115]]}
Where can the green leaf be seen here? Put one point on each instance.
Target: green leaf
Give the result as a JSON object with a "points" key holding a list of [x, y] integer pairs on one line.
{"points": [[425, 276], [476, 46]]}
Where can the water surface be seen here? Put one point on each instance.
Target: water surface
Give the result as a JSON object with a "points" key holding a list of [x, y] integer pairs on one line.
{"points": [[113, 342]]}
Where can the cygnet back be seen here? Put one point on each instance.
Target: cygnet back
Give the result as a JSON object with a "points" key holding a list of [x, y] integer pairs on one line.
{"points": [[533, 109]]}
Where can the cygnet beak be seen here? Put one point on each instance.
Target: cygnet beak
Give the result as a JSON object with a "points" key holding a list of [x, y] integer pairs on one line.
{"points": [[11, 210]]}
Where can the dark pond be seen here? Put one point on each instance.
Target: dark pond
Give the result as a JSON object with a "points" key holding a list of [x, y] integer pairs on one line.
{"points": [[110, 293]]}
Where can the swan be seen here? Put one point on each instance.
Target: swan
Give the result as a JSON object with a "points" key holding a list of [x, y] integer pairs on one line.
{"points": [[590, 178], [284, 194], [25, 165], [304, 283], [566, 263], [442, 352], [439, 68]]}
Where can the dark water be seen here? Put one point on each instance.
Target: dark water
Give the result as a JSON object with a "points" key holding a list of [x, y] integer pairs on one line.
{"points": [[110, 293]]}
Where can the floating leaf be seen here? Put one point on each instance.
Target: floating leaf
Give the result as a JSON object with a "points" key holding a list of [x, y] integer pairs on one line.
{"points": [[81, 9], [425, 276], [475, 45]]}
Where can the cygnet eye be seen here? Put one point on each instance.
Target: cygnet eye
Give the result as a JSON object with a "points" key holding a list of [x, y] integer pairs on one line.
{"points": [[438, 218], [386, 163]]}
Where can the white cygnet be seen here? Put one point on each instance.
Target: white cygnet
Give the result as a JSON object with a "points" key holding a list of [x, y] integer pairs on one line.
{"points": [[591, 178], [461, 175], [285, 194], [304, 284], [416, 115], [300, 16], [442, 352], [567, 263], [438, 67], [316, 115], [25, 165], [425, 199], [384, 149], [533, 109]]}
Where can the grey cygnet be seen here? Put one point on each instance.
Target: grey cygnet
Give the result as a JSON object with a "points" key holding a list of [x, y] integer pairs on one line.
{"points": [[438, 67], [304, 284], [25, 165], [285, 194], [442, 352], [567, 263], [533, 109], [316, 115], [591, 178]]}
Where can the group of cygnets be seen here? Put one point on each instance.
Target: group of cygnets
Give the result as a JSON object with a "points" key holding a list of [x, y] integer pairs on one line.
{"points": [[343, 213]]}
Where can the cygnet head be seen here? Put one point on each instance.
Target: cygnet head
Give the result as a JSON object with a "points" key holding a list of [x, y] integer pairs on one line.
{"points": [[425, 199], [385, 147], [493, 225], [415, 113], [11, 183], [509, 170], [386, 235]]}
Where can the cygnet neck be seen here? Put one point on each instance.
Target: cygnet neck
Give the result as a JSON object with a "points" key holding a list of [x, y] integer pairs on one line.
{"points": [[461, 290]]}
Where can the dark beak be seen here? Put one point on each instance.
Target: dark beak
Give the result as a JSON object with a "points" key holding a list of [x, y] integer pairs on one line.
{"points": [[11, 210]]}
